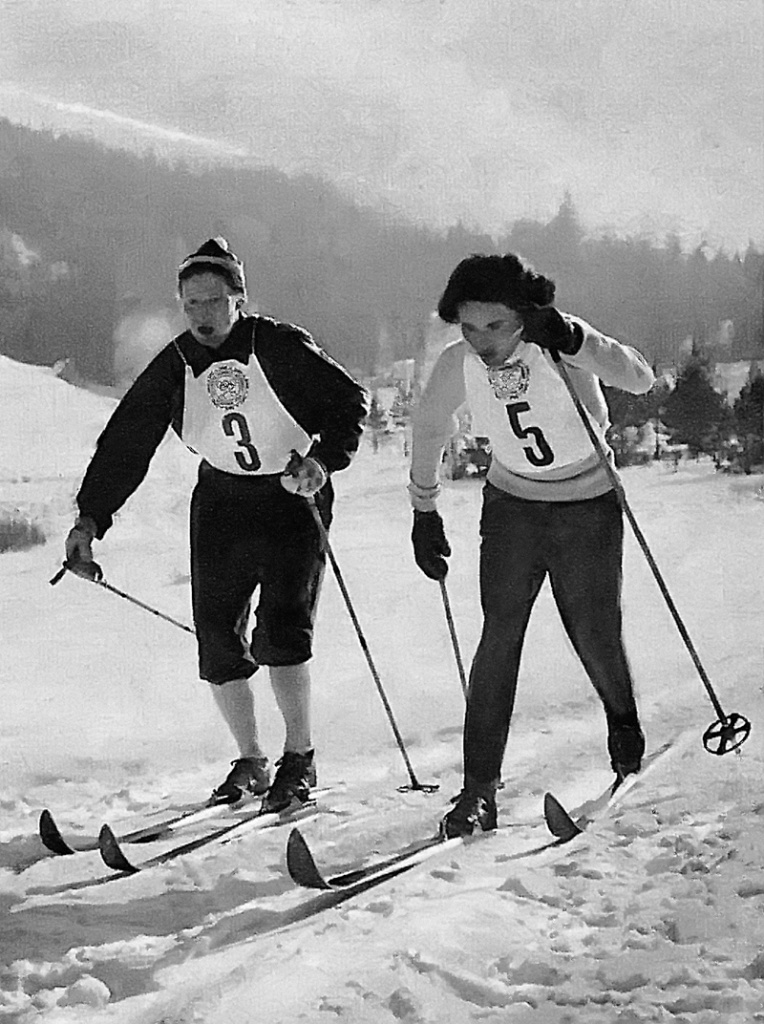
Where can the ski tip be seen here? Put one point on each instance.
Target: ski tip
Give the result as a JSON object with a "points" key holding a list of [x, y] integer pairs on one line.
{"points": [[51, 837], [111, 852], [301, 865], [558, 821]]}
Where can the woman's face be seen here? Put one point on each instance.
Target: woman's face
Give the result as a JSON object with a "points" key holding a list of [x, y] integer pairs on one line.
{"points": [[491, 329]]}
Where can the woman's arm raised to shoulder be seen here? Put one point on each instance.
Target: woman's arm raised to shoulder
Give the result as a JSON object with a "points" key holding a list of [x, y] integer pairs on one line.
{"points": [[617, 365]]}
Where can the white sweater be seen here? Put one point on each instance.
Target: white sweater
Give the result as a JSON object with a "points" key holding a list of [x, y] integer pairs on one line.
{"points": [[541, 451]]}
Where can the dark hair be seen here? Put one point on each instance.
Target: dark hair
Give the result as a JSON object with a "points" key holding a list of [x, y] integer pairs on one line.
{"points": [[506, 279], [195, 269]]}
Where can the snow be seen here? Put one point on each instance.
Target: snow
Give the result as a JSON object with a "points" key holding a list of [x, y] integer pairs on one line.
{"points": [[655, 915]]}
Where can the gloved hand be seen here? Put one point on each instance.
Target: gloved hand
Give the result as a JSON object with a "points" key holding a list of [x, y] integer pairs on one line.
{"points": [[430, 545], [303, 475], [546, 327], [79, 549]]}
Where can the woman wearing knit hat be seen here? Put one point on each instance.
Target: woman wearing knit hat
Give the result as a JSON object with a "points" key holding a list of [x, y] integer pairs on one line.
{"points": [[272, 417], [549, 504]]}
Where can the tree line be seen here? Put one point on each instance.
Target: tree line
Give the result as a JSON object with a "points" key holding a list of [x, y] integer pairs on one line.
{"points": [[689, 414], [89, 235]]}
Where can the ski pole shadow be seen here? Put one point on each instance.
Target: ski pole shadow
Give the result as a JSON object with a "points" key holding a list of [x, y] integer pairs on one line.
{"points": [[46, 930], [256, 921], [248, 922]]}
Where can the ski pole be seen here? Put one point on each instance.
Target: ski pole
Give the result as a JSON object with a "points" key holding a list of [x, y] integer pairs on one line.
{"points": [[733, 730], [120, 593], [454, 639], [324, 534]]}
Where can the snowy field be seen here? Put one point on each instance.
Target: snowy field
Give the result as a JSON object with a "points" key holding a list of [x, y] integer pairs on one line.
{"points": [[656, 915]]}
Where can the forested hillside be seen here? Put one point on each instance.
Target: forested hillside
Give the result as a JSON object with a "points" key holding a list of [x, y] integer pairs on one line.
{"points": [[90, 238]]}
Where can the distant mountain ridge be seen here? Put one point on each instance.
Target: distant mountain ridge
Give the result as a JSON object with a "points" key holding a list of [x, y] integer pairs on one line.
{"points": [[649, 114]]}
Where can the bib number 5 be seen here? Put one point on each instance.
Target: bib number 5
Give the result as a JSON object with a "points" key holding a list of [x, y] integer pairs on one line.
{"points": [[539, 453], [235, 425]]}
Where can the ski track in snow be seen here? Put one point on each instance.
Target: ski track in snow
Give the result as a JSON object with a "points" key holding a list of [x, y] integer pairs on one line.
{"points": [[654, 915]]}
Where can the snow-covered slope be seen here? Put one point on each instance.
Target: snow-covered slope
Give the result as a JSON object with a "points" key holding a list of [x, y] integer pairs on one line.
{"points": [[654, 916]]}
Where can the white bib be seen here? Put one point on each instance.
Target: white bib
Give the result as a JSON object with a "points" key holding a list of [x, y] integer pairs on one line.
{"points": [[524, 408], [233, 418]]}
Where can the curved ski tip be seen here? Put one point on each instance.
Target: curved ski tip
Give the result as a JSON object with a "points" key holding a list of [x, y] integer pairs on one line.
{"points": [[111, 852], [51, 837], [558, 821], [550, 800], [300, 863]]}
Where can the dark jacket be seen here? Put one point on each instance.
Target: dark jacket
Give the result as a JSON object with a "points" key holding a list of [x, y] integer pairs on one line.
{"points": [[318, 393]]}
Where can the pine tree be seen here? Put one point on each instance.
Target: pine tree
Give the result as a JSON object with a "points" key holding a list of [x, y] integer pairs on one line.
{"points": [[695, 413], [749, 422], [629, 414]]}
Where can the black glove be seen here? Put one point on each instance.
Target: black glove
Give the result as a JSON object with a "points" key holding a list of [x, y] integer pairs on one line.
{"points": [[430, 545], [546, 327], [88, 570], [79, 550]]}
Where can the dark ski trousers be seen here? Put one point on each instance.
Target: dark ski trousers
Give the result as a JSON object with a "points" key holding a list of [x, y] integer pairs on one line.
{"points": [[248, 534], [579, 545]]}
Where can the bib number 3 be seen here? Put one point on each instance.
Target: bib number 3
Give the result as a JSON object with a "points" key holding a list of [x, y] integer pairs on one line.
{"points": [[235, 425], [539, 453]]}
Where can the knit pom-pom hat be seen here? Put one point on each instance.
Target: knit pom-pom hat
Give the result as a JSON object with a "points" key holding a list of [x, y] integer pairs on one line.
{"points": [[215, 257]]}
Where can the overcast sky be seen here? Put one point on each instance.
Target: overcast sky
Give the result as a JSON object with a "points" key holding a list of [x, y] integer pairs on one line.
{"points": [[648, 111]]}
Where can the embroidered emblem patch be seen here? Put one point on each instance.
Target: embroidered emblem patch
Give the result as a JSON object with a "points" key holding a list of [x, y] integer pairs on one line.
{"points": [[509, 382], [227, 386]]}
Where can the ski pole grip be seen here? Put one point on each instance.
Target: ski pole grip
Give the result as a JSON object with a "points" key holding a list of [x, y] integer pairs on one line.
{"points": [[59, 575], [87, 570]]}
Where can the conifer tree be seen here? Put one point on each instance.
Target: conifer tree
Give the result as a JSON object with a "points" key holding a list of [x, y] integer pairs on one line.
{"points": [[696, 414], [749, 422]]}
